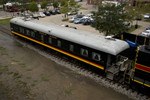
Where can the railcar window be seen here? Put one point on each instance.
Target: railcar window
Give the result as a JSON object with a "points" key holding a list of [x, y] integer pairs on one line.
{"points": [[28, 32], [21, 30], [84, 52], [16, 28], [59, 43], [32, 34], [96, 56], [42, 37], [50, 40], [71, 48]]}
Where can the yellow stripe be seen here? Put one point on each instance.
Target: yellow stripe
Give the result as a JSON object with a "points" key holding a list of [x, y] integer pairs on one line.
{"points": [[141, 83], [68, 54]]}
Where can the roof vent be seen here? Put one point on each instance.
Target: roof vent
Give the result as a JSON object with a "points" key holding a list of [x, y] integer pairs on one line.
{"points": [[109, 38]]}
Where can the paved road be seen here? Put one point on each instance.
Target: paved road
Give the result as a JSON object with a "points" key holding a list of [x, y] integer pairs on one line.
{"points": [[143, 25]]}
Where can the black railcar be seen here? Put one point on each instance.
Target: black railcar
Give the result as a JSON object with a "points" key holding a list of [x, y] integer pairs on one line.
{"points": [[87, 48]]}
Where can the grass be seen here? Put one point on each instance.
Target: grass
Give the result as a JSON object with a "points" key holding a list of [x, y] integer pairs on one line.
{"points": [[15, 60], [65, 19], [22, 64], [35, 81], [29, 69], [21, 82], [69, 91], [5, 21], [10, 73], [4, 68], [2, 48], [45, 78], [17, 75], [132, 28], [32, 84], [28, 77]]}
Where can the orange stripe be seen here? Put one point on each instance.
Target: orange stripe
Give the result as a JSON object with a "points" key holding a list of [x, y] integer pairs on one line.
{"points": [[142, 67], [66, 53]]}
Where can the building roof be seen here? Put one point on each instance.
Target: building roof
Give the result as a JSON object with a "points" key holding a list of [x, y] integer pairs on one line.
{"points": [[88, 39]]}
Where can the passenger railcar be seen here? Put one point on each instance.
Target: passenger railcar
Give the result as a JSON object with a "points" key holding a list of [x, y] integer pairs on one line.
{"points": [[86, 47], [93, 50]]}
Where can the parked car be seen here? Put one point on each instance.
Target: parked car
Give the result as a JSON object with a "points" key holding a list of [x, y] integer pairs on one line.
{"points": [[71, 13], [79, 16], [52, 12], [146, 33], [57, 11], [79, 20], [148, 28], [146, 16], [72, 19], [88, 16], [41, 14], [88, 22], [47, 13], [126, 23], [36, 16]]}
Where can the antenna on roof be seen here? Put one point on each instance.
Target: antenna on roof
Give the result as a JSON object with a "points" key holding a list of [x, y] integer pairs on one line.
{"points": [[110, 38]]}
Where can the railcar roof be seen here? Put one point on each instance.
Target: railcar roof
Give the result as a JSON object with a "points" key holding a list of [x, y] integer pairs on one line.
{"points": [[88, 39]]}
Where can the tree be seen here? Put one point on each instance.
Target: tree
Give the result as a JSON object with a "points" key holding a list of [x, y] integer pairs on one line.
{"points": [[64, 3], [33, 7], [109, 19], [72, 3], [55, 4], [44, 4]]}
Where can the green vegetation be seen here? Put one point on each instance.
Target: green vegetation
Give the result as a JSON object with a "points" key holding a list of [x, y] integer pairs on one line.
{"points": [[22, 64], [28, 77], [33, 7], [29, 69], [65, 19], [69, 91], [35, 81], [17, 75], [44, 4], [4, 68], [45, 78], [32, 84], [55, 4], [15, 60], [2, 48], [109, 19], [5, 21]]}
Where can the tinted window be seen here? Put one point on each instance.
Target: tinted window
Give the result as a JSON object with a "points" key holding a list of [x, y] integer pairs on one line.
{"points": [[50, 40], [32, 34], [84, 52], [42, 37], [21, 30], [71, 48], [28, 32], [96, 56], [59, 43]]}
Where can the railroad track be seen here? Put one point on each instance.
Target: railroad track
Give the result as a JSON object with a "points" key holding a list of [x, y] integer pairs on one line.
{"points": [[121, 88]]}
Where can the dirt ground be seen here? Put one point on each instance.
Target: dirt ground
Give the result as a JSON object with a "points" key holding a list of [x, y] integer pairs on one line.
{"points": [[27, 75]]}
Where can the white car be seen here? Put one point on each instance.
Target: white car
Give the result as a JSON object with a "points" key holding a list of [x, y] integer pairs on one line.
{"points": [[41, 14], [72, 19], [146, 16], [146, 33]]}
